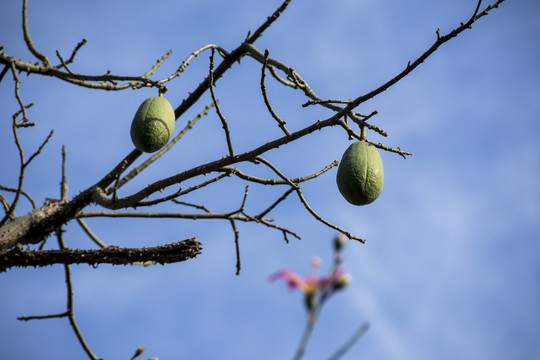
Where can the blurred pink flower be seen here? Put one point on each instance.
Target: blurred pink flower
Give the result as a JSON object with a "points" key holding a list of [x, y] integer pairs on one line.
{"points": [[310, 284]]}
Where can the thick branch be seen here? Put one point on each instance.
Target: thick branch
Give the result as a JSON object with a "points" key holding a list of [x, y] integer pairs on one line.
{"points": [[164, 254], [37, 225]]}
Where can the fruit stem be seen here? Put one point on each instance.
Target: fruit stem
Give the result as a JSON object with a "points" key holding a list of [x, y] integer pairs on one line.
{"points": [[363, 134]]}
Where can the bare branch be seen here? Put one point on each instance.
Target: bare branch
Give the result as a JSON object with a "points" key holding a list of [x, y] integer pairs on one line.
{"points": [[411, 66], [103, 82], [276, 170], [166, 215], [42, 317], [28, 197], [23, 163], [6, 206], [276, 203], [237, 246], [193, 55], [327, 223], [180, 192], [4, 70], [28, 39], [64, 64], [280, 79], [218, 110], [269, 21], [228, 61], [73, 53], [90, 233], [251, 178], [350, 342], [69, 288], [19, 100], [299, 83], [303, 200], [163, 254], [280, 121], [200, 207], [38, 151], [35, 231]]}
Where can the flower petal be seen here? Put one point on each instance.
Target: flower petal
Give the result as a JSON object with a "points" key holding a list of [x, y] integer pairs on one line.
{"points": [[293, 279]]}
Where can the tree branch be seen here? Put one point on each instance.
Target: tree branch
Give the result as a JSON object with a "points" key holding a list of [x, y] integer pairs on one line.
{"points": [[164, 254], [37, 225]]}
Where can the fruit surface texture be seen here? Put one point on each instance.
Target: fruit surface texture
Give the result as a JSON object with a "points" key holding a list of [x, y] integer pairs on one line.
{"points": [[153, 124], [360, 175]]}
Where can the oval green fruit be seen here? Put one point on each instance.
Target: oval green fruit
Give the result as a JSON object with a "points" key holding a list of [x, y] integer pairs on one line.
{"points": [[153, 124], [360, 175]]}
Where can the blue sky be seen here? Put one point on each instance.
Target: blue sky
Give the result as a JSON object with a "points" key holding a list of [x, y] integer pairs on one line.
{"points": [[451, 267]]}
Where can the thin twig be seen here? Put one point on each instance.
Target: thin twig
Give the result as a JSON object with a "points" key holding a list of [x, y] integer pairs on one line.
{"points": [[304, 202], [251, 178], [28, 39], [42, 317], [318, 102], [269, 21], [350, 342], [64, 64], [24, 193], [280, 79], [318, 217], [280, 121], [193, 55], [107, 81], [441, 39], [73, 53], [63, 181], [23, 163], [70, 312], [200, 207], [276, 170], [18, 97], [181, 192], [299, 83], [90, 233], [165, 215], [38, 151], [276, 203], [216, 105], [4, 71], [237, 246], [6, 206]]}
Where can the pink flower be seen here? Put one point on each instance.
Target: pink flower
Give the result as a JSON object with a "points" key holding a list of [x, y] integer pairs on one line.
{"points": [[313, 283]]}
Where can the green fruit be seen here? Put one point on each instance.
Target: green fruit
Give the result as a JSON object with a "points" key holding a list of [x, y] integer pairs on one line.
{"points": [[153, 124], [360, 175]]}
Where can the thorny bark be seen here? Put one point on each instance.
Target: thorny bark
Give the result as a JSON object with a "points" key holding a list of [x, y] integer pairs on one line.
{"points": [[164, 254]]}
